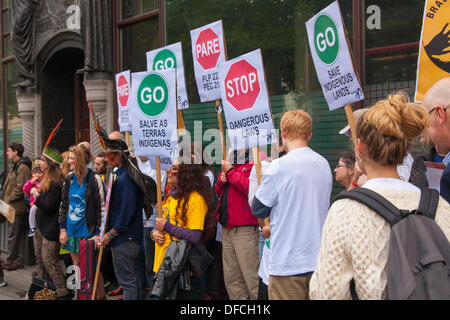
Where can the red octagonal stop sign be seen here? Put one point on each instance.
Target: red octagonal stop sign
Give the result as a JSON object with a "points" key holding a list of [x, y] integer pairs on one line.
{"points": [[242, 85], [123, 91], [207, 49]]}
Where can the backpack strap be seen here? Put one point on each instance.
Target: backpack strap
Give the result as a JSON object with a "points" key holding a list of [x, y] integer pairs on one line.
{"points": [[376, 202], [429, 200]]}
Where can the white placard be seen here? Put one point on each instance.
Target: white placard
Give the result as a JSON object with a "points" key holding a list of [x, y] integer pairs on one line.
{"points": [[123, 90], [208, 52], [246, 102], [170, 57], [165, 162], [153, 113], [434, 171], [332, 58]]}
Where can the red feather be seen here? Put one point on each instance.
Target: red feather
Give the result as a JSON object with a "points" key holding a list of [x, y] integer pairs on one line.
{"points": [[50, 137]]}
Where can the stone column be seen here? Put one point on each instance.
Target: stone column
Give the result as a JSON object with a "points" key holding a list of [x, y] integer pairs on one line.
{"points": [[28, 103], [101, 93]]}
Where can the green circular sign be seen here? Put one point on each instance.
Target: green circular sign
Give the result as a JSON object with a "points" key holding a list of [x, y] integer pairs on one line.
{"points": [[153, 95], [326, 39], [165, 59]]}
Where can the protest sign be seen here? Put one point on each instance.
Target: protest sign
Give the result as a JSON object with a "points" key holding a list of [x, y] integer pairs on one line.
{"points": [[154, 113], [434, 52], [166, 58], [332, 58], [434, 171], [7, 211], [123, 89], [208, 52], [246, 102], [154, 117]]}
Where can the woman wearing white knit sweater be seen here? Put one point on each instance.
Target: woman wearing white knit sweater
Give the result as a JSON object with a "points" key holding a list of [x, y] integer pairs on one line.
{"points": [[355, 239]]}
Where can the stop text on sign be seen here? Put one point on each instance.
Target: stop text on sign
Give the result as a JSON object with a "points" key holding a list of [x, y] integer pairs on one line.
{"points": [[242, 85]]}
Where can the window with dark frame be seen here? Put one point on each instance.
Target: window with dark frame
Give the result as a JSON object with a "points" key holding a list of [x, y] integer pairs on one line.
{"points": [[136, 22]]}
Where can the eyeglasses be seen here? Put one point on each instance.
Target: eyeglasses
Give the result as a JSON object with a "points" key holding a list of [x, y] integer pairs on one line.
{"points": [[432, 109]]}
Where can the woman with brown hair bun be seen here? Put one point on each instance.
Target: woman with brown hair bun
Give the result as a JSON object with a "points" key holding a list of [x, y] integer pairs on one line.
{"points": [[355, 239]]}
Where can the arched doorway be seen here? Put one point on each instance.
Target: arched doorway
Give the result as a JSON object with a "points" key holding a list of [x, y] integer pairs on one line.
{"points": [[62, 96], [61, 89]]}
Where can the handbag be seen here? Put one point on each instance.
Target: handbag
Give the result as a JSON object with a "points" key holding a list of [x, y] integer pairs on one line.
{"points": [[40, 289]]}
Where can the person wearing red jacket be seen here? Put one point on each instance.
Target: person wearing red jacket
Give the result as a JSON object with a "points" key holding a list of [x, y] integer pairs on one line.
{"points": [[240, 234]]}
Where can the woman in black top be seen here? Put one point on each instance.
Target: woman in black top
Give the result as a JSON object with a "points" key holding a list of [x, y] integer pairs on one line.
{"points": [[46, 239]]}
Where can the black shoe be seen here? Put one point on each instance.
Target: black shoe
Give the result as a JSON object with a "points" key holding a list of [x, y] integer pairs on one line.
{"points": [[66, 297]]}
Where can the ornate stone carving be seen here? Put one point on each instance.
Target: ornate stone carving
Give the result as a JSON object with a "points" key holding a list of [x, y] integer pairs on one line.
{"points": [[96, 35], [23, 38]]}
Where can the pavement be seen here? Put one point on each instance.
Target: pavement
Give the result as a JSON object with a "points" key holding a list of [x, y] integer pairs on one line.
{"points": [[18, 283]]}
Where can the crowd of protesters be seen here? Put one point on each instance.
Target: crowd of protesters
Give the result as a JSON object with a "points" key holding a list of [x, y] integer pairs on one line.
{"points": [[274, 234]]}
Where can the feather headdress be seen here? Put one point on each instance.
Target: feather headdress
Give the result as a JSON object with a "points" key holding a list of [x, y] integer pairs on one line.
{"points": [[49, 152], [145, 183]]}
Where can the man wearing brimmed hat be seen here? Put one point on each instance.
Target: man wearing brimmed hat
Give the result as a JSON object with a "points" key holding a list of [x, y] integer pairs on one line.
{"points": [[13, 194], [404, 169]]}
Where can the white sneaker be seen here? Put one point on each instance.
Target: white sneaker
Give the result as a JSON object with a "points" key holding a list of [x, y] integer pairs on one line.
{"points": [[3, 284]]}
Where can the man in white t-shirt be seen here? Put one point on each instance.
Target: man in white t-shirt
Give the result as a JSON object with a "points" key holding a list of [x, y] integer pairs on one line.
{"points": [[295, 192]]}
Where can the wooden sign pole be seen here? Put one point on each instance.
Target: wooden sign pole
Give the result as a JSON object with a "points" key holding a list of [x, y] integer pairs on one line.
{"points": [[97, 273], [127, 138], [158, 187], [257, 163], [351, 122], [222, 135], [181, 127]]}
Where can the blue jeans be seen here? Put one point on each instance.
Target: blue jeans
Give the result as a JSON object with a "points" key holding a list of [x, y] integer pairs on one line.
{"points": [[261, 243], [124, 260]]}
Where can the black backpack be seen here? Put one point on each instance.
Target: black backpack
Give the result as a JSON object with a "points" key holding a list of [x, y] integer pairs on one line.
{"points": [[418, 266]]}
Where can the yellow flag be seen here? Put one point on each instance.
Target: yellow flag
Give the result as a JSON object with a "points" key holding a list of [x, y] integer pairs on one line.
{"points": [[434, 54]]}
